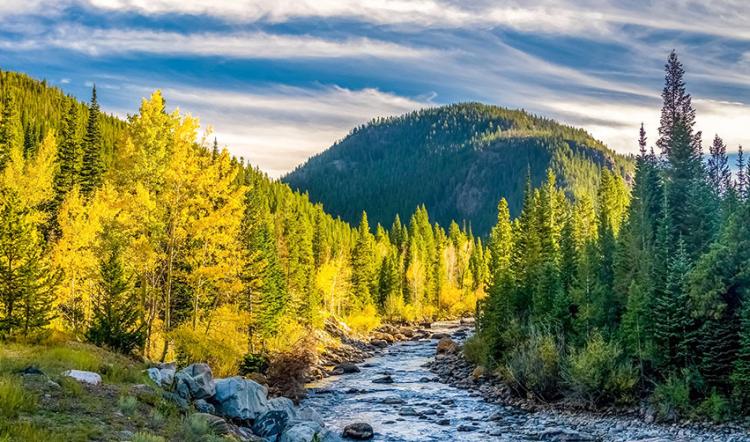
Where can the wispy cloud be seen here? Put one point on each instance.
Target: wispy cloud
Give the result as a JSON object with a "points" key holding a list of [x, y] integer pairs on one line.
{"points": [[94, 42]]}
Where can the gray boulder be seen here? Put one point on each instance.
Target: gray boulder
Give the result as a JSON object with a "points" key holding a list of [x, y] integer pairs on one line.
{"points": [[195, 381], [239, 398], [307, 431], [283, 404], [163, 374], [202, 406], [270, 423], [358, 431]]}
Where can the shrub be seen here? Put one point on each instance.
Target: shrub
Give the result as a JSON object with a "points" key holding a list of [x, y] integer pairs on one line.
{"points": [[534, 366], [196, 428], [147, 437], [254, 363], [192, 346], [365, 321], [672, 398], [475, 350], [287, 372], [597, 373], [14, 398], [127, 404], [715, 407]]}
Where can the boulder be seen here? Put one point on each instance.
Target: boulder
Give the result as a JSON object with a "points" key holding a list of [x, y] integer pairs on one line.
{"points": [[202, 406], [283, 404], [87, 377], [358, 431], [162, 374], [305, 431], [439, 335], [387, 379], [271, 423], [379, 343], [180, 402], [446, 346], [345, 368], [310, 414], [195, 382], [239, 398]]}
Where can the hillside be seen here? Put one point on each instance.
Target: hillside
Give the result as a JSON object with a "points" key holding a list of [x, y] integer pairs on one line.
{"points": [[458, 160]]}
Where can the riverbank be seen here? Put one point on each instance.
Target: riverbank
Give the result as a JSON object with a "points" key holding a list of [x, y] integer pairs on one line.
{"points": [[615, 424]]}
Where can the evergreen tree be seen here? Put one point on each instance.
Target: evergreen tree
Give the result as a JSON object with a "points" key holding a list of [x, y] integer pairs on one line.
{"points": [[740, 376], [677, 107], [11, 132], [363, 264], [92, 166], [741, 184], [27, 282], [718, 167], [68, 158], [117, 321], [672, 321]]}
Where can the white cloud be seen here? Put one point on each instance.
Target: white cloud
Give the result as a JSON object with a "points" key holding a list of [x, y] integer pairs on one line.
{"points": [[94, 42], [277, 128]]}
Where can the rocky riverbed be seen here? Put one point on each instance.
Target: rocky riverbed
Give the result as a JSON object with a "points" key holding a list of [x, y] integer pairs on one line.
{"points": [[406, 394]]}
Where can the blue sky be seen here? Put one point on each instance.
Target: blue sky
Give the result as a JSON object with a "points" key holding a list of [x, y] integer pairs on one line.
{"points": [[280, 80]]}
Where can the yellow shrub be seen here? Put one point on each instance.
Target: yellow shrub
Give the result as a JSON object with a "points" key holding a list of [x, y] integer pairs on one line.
{"points": [[365, 321]]}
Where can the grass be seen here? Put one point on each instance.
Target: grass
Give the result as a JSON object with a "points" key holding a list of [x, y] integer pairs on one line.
{"points": [[14, 398], [55, 408]]}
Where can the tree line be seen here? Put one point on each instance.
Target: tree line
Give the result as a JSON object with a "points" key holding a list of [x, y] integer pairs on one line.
{"points": [[641, 293], [170, 248]]}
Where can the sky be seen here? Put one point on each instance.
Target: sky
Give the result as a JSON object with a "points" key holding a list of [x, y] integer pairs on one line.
{"points": [[280, 80]]}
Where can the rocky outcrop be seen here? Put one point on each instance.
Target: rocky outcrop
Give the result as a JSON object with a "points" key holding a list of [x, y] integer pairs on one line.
{"points": [[239, 398]]}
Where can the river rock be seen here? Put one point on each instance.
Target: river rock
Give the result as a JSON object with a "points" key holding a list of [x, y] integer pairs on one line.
{"points": [[446, 346], [358, 431], [310, 414], [270, 423], [307, 431], [556, 434], [439, 336], [379, 343], [195, 381], [387, 379], [87, 377], [239, 398], [345, 368], [283, 404]]}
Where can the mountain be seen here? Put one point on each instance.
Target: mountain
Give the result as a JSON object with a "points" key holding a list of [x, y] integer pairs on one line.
{"points": [[457, 160]]}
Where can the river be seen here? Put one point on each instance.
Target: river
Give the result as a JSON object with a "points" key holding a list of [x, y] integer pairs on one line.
{"points": [[415, 407]]}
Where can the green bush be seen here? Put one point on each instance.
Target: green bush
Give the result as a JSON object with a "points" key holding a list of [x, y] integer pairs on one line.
{"points": [[127, 404], [147, 437], [476, 351], [534, 366], [715, 407], [14, 398], [598, 374], [254, 363], [672, 398]]}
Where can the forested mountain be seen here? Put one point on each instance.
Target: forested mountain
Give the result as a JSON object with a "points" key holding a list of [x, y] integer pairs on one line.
{"points": [[457, 160], [138, 237]]}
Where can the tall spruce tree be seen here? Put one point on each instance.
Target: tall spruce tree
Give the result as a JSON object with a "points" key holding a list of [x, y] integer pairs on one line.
{"points": [[719, 174], [363, 264], [117, 320], [741, 183], [68, 158], [92, 166], [27, 281], [677, 106]]}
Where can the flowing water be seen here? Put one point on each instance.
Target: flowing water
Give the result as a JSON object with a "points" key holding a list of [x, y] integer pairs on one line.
{"points": [[415, 407]]}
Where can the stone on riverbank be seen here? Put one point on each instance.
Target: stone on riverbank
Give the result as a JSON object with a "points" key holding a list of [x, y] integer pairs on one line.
{"points": [[87, 377], [358, 431], [446, 345], [239, 398], [195, 382], [345, 368]]}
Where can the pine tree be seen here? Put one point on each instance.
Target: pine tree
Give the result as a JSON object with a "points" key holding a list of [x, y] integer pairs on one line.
{"points": [[740, 376], [215, 150], [117, 321], [363, 265], [677, 106], [672, 321], [718, 168], [68, 158], [27, 282], [11, 132], [92, 166], [741, 184]]}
